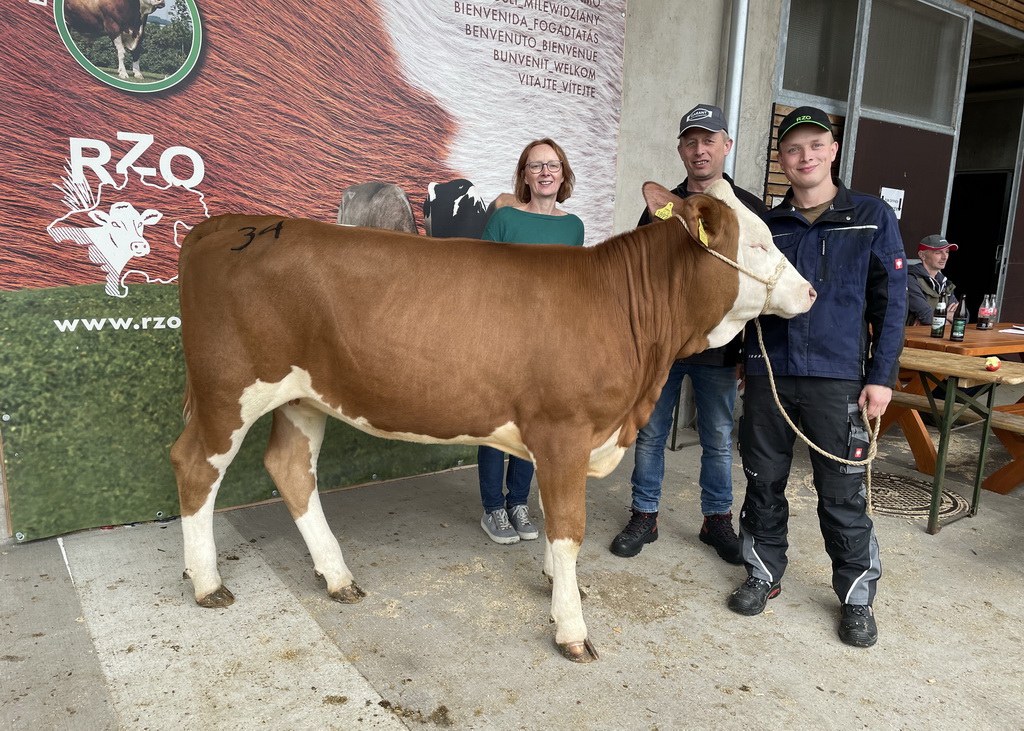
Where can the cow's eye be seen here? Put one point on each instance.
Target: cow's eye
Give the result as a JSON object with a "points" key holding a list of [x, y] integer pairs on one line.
{"points": [[759, 245]]}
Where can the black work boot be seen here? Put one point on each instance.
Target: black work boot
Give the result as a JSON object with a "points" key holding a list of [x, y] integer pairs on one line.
{"points": [[642, 528], [857, 625], [717, 532], [751, 596]]}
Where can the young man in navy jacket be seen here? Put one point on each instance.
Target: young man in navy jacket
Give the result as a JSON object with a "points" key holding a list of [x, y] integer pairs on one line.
{"points": [[828, 364]]}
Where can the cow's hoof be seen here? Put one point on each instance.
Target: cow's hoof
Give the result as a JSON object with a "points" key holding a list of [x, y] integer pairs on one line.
{"points": [[348, 594], [579, 651], [216, 599]]}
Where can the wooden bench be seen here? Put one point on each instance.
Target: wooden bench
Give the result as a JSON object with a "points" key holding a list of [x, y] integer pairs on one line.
{"points": [[1007, 425]]}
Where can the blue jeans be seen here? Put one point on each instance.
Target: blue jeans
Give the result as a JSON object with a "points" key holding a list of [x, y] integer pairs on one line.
{"points": [[714, 392], [491, 464]]}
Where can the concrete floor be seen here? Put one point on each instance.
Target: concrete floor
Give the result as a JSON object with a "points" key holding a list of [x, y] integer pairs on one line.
{"points": [[100, 631]]}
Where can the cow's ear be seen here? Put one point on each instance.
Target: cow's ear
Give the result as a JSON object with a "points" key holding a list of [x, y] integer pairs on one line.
{"points": [[661, 203], [99, 216], [702, 216]]}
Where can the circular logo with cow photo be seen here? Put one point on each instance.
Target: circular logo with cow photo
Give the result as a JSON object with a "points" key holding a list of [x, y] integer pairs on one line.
{"points": [[135, 45]]}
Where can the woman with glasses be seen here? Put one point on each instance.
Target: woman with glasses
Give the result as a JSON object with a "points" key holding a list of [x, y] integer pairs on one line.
{"points": [[542, 180]]}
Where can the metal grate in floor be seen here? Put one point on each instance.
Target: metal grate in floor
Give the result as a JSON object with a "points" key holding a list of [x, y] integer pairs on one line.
{"points": [[907, 497]]}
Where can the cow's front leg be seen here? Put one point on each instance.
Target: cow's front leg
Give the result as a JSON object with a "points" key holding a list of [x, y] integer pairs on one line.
{"points": [[291, 457], [122, 72], [562, 480]]}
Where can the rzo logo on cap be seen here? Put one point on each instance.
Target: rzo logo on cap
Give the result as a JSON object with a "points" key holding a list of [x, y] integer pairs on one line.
{"points": [[699, 114]]}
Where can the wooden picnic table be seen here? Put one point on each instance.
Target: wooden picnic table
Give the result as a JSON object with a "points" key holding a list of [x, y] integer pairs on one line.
{"points": [[975, 342], [953, 372]]}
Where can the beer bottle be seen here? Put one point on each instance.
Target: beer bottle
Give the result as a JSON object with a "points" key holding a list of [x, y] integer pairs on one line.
{"points": [[956, 333], [939, 317]]}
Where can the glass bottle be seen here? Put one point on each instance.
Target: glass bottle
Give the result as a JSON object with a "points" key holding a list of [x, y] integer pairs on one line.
{"points": [[939, 317], [956, 333], [984, 321]]}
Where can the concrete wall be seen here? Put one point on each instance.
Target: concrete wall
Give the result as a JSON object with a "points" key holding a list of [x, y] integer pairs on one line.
{"points": [[676, 56]]}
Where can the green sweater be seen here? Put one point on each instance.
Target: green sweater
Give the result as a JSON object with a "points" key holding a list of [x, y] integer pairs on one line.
{"points": [[510, 225]]}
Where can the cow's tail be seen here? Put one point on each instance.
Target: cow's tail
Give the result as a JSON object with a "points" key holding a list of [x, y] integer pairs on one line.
{"points": [[188, 399]]}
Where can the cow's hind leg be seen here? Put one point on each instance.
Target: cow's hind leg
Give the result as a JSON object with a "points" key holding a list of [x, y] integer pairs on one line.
{"points": [[198, 482], [562, 480], [291, 458]]}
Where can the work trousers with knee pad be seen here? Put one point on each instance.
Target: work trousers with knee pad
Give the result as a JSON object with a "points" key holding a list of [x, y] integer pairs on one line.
{"points": [[826, 411]]}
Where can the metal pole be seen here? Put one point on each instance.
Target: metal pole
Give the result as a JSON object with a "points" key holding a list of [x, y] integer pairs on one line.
{"points": [[734, 81]]}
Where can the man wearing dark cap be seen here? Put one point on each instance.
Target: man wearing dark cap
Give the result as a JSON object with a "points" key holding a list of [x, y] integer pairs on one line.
{"points": [[703, 144], [926, 282], [827, 364]]}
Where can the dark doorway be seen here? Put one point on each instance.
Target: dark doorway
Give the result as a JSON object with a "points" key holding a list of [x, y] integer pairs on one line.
{"points": [[913, 160], [978, 212]]}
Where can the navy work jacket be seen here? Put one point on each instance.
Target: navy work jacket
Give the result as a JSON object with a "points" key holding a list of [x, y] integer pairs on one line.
{"points": [[853, 256]]}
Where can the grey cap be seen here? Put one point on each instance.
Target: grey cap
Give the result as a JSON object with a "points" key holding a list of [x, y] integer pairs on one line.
{"points": [[704, 116]]}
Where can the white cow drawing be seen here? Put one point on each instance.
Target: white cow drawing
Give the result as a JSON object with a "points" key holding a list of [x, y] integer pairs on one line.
{"points": [[118, 239]]}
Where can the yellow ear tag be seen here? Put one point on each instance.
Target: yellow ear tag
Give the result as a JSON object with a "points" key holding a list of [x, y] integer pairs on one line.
{"points": [[701, 233], [664, 213]]}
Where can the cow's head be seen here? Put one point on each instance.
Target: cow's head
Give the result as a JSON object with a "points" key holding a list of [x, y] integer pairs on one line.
{"points": [[123, 228], [719, 221]]}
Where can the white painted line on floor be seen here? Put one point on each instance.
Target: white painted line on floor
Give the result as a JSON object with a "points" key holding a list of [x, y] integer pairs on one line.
{"points": [[171, 664], [60, 542]]}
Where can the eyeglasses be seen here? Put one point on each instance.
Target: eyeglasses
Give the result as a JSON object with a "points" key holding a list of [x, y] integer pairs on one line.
{"points": [[552, 165]]}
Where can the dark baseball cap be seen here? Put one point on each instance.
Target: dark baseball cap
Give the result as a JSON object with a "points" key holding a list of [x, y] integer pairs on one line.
{"points": [[704, 116], [804, 115], [936, 243]]}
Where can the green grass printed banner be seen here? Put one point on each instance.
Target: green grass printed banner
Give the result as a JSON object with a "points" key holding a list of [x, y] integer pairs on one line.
{"points": [[90, 404]]}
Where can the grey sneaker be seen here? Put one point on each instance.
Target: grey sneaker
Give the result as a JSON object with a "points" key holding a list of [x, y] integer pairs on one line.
{"points": [[520, 517], [498, 528]]}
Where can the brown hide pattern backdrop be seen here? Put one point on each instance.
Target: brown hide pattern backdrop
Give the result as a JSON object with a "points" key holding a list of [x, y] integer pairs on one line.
{"points": [[286, 109], [286, 106]]}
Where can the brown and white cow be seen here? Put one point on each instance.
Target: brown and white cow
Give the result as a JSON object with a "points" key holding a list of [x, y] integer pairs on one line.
{"points": [[123, 21], [389, 333]]}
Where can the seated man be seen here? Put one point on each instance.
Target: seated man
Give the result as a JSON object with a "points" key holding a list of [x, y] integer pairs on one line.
{"points": [[926, 282]]}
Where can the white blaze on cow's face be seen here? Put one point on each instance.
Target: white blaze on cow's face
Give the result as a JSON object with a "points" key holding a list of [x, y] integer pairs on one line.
{"points": [[792, 294]]}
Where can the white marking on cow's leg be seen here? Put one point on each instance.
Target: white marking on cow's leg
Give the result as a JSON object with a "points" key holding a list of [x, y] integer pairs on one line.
{"points": [[566, 607], [199, 472], [122, 73], [561, 480], [198, 480], [201, 556], [291, 459], [326, 552], [549, 570]]}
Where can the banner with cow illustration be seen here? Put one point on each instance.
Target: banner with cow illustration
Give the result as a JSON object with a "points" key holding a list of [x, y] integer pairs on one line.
{"points": [[126, 122]]}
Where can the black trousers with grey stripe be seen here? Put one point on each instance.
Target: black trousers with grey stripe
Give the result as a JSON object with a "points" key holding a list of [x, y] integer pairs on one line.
{"points": [[826, 411]]}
